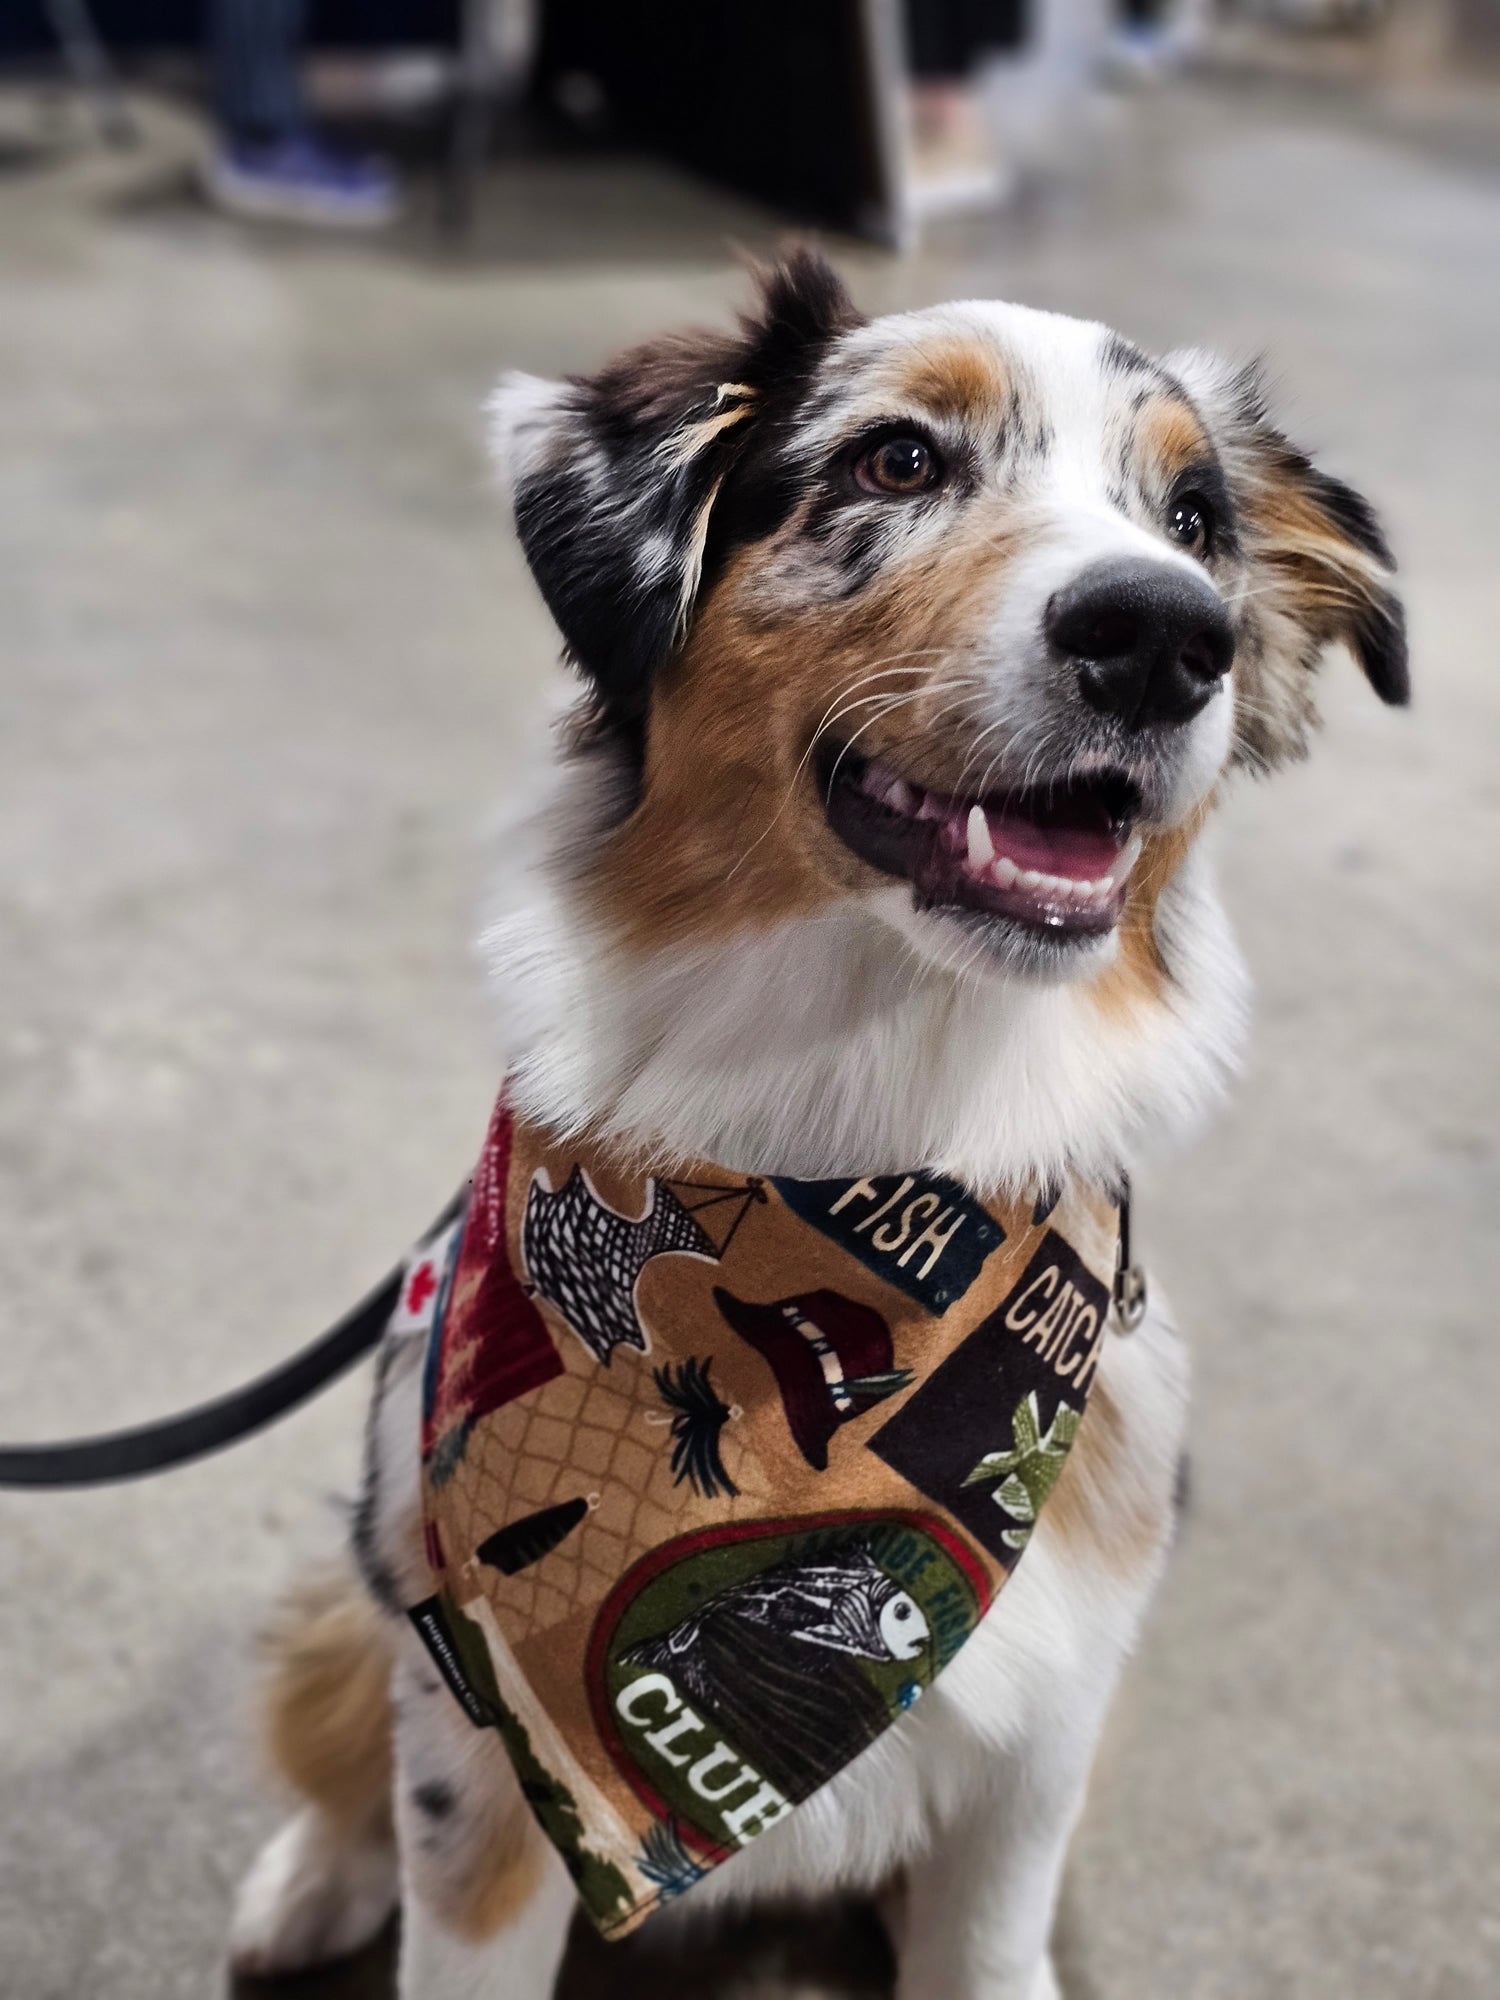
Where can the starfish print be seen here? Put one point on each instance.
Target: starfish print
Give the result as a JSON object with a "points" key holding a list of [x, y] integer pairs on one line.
{"points": [[1028, 1472]]}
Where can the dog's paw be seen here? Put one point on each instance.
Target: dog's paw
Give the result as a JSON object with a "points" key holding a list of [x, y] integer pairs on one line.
{"points": [[310, 1897]]}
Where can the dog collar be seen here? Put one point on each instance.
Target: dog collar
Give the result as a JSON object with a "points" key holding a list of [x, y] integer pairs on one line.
{"points": [[721, 1471]]}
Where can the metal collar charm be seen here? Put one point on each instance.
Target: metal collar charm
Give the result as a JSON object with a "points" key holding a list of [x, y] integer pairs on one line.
{"points": [[720, 1472]]}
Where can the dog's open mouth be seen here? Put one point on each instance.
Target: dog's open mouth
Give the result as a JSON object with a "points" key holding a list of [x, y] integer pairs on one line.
{"points": [[1055, 857]]}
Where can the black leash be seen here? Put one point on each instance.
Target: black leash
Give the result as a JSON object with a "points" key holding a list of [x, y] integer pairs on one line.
{"points": [[132, 1454]]}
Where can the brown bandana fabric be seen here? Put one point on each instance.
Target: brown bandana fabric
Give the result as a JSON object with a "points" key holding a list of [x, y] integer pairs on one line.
{"points": [[720, 1472]]}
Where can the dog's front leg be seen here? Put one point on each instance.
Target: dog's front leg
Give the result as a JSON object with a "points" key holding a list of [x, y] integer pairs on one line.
{"points": [[518, 1961], [486, 1903], [979, 1907]]}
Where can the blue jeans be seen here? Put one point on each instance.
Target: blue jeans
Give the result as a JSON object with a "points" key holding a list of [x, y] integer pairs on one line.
{"points": [[254, 50]]}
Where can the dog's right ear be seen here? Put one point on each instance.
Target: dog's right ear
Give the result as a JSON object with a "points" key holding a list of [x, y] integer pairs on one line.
{"points": [[1320, 571], [613, 476]]}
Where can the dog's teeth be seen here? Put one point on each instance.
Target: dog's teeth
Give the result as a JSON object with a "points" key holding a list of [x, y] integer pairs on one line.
{"points": [[1028, 878], [900, 797], [928, 808], [1006, 871], [981, 847]]}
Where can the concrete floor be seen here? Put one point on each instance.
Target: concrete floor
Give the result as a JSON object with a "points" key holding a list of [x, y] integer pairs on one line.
{"points": [[265, 638]]}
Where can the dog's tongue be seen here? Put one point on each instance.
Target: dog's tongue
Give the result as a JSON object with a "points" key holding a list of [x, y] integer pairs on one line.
{"points": [[1060, 837], [1078, 852], [1068, 835]]}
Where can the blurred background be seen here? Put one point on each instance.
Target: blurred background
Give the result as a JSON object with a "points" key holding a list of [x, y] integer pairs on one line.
{"points": [[266, 640]]}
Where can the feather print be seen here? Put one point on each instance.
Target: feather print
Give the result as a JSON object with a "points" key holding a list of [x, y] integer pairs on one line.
{"points": [[521, 1543]]}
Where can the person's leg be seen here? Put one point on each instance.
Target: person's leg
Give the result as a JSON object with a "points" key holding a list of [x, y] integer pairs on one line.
{"points": [[954, 163], [254, 51], [270, 162]]}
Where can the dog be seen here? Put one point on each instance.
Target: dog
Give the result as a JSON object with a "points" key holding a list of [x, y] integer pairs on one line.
{"points": [[915, 654]]}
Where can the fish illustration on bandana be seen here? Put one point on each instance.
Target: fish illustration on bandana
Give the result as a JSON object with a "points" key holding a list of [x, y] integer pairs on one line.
{"points": [[584, 1257], [772, 1660]]}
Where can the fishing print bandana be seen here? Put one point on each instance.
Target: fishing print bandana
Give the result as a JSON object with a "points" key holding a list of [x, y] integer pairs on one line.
{"points": [[719, 1472]]}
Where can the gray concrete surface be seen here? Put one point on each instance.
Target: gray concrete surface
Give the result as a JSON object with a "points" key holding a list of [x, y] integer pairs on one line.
{"points": [[264, 640]]}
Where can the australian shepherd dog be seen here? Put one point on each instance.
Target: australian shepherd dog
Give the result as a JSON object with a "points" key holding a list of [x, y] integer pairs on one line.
{"points": [[915, 654]]}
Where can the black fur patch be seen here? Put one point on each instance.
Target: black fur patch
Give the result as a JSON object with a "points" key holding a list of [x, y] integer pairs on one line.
{"points": [[1378, 642], [609, 526], [1349, 512], [1029, 435], [1122, 357], [434, 1799]]}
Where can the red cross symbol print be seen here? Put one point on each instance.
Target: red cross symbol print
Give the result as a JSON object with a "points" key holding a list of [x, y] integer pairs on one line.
{"points": [[421, 1288]]}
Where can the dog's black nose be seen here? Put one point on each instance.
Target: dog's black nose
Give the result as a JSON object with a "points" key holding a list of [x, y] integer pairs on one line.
{"points": [[1151, 641]]}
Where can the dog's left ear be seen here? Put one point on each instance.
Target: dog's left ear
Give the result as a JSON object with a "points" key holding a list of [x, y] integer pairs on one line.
{"points": [[1321, 570], [614, 475]]}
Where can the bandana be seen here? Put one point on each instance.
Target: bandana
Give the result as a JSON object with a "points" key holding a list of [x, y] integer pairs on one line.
{"points": [[720, 1472]]}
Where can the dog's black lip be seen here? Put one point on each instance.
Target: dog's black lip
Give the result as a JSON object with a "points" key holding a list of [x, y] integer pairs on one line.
{"points": [[911, 850], [1113, 786]]}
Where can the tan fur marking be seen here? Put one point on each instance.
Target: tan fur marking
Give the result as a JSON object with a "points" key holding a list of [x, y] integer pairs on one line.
{"points": [[1171, 434], [328, 1712], [1311, 586], [683, 446], [1330, 577], [729, 834], [1101, 1506], [692, 571], [954, 378]]}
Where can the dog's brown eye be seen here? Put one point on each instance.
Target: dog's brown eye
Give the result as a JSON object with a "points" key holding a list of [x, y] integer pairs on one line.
{"points": [[899, 465], [1189, 522]]}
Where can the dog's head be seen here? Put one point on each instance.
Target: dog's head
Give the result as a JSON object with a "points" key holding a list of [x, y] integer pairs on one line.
{"points": [[960, 613]]}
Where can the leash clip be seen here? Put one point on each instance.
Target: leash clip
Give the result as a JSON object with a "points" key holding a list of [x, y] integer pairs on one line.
{"points": [[1129, 1294], [1130, 1297]]}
